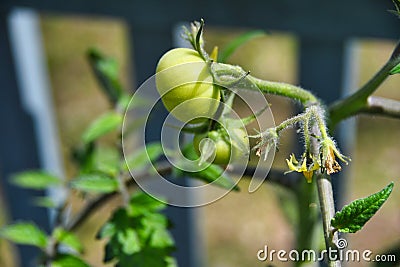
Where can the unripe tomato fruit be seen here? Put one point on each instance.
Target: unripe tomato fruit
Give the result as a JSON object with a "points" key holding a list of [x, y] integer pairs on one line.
{"points": [[178, 81], [223, 148]]}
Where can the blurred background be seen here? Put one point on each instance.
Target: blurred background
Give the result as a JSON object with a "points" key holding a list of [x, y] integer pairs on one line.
{"points": [[330, 49]]}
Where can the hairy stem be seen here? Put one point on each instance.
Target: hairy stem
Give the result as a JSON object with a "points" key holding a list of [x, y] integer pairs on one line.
{"points": [[285, 89]]}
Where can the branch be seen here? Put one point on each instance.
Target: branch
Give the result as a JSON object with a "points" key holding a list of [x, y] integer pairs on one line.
{"points": [[356, 102], [275, 176], [97, 202], [327, 205], [286, 90], [382, 106]]}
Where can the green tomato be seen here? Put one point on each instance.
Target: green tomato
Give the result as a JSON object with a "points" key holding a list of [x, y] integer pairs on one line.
{"points": [[177, 82], [223, 148]]}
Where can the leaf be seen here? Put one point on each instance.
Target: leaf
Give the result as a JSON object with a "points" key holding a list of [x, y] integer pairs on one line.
{"points": [[236, 43], [93, 183], [213, 173], [142, 204], [354, 215], [129, 240], [155, 231], [106, 123], [142, 158], [25, 234], [395, 70], [137, 234], [46, 202], [68, 260], [35, 180], [105, 160], [68, 239], [106, 71]]}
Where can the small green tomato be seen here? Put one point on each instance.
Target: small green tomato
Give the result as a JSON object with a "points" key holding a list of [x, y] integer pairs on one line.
{"points": [[178, 82], [223, 148]]}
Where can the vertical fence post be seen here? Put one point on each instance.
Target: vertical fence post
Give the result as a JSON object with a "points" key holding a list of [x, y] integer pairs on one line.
{"points": [[19, 150], [321, 70]]}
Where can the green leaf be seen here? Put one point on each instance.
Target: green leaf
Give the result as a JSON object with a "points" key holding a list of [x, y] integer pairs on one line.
{"points": [[237, 42], [106, 71], [395, 70], [106, 160], [137, 234], [106, 123], [46, 202], [68, 239], [213, 173], [155, 231], [68, 260], [35, 180], [143, 204], [141, 159], [93, 183], [129, 240], [354, 215], [25, 234]]}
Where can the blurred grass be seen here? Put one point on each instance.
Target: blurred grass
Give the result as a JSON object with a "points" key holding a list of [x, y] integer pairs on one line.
{"points": [[240, 224]]}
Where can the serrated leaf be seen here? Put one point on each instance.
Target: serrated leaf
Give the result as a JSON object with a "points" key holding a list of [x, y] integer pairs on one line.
{"points": [[25, 234], [35, 180], [232, 46], [211, 174], [129, 240], [68, 260], [137, 234], [354, 215], [93, 183], [142, 158], [106, 71], [142, 204], [395, 70], [155, 230], [104, 124], [67, 238]]}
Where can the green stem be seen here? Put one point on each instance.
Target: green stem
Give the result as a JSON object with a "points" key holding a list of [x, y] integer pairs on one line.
{"points": [[308, 218], [291, 121], [227, 75], [357, 102], [319, 117], [285, 89], [327, 205]]}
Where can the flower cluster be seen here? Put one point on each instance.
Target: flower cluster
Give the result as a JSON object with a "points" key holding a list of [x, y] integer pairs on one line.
{"points": [[313, 127]]}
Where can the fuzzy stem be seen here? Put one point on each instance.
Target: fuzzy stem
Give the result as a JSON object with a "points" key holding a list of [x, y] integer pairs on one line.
{"points": [[285, 89], [291, 121], [319, 116]]}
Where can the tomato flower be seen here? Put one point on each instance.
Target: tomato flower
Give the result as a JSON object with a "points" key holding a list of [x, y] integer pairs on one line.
{"points": [[308, 171], [329, 152]]}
